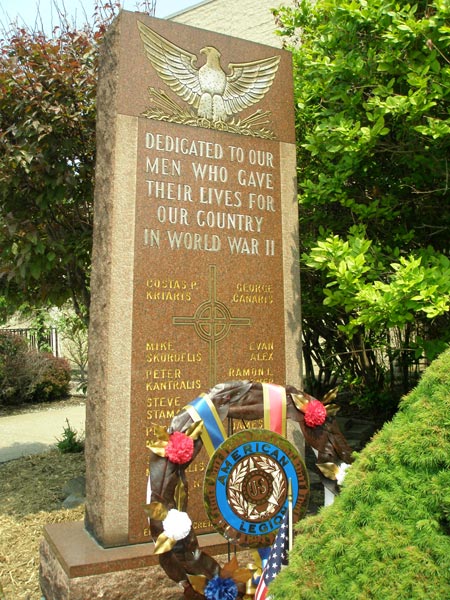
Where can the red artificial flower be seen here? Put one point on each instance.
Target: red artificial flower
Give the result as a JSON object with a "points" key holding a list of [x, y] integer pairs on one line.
{"points": [[180, 448], [315, 413]]}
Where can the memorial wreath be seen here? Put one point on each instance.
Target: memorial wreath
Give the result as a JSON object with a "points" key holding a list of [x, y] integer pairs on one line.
{"points": [[250, 478]]}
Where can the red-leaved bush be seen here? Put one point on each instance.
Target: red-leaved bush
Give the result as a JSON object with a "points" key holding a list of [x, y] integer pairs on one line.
{"points": [[28, 375]]}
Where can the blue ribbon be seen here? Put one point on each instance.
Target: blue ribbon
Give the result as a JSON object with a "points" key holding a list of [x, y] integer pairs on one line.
{"points": [[211, 420]]}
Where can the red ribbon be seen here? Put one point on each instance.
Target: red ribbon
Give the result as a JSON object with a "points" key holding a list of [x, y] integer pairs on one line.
{"points": [[274, 408]]}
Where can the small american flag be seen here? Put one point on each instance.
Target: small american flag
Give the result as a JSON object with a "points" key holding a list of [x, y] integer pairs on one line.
{"points": [[277, 558]]}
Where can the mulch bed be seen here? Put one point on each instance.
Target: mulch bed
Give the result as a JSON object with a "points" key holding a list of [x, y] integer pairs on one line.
{"points": [[30, 497]]}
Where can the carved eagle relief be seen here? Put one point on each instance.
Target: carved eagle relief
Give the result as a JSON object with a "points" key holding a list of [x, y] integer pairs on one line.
{"points": [[216, 94]]}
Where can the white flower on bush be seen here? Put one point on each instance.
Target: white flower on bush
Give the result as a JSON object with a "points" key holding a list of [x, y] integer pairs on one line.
{"points": [[177, 524], [342, 471]]}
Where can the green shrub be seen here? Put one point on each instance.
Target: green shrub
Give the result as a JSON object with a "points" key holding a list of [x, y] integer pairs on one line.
{"points": [[70, 442], [387, 536], [28, 375]]}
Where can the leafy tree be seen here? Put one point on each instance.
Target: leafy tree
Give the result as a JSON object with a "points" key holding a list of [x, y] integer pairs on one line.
{"points": [[72, 330], [47, 108], [47, 154], [372, 91]]}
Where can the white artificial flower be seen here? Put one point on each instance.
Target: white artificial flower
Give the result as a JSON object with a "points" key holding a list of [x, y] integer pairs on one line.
{"points": [[341, 473], [177, 524]]}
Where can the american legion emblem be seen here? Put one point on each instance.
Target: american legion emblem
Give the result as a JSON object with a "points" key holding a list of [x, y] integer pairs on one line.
{"points": [[250, 481]]}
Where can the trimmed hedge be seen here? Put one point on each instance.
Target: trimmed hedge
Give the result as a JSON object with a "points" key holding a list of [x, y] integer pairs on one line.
{"points": [[387, 535]]}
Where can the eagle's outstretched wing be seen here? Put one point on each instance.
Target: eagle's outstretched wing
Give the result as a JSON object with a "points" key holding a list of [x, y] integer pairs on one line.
{"points": [[248, 83], [176, 67]]}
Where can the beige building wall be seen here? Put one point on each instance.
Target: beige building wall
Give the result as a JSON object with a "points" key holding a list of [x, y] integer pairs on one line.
{"points": [[246, 19]]}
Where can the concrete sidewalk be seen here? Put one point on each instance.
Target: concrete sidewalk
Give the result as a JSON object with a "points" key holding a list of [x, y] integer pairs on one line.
{"points": [[38, 431]]}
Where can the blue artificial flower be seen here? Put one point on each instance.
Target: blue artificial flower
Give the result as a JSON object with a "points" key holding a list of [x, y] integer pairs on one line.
{"points": [[221, 589]]}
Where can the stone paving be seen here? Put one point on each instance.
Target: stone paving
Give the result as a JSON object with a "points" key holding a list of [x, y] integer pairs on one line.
{"points": [[37, 431]]}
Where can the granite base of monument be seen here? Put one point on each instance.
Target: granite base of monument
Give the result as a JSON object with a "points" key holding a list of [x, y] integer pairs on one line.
{"points": [[75, 567]]}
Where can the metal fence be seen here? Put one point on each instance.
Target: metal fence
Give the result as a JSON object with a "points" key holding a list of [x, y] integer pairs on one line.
{"points": [[40, 339]]}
